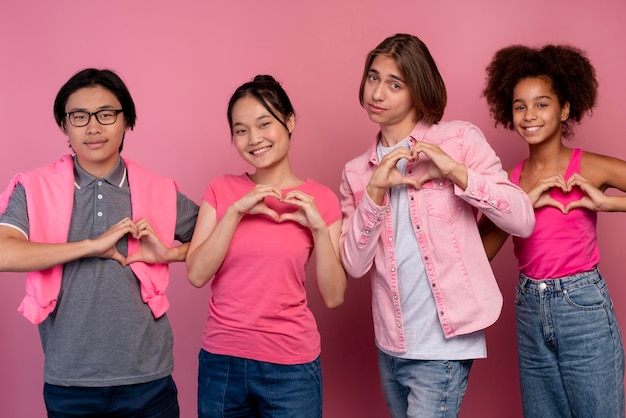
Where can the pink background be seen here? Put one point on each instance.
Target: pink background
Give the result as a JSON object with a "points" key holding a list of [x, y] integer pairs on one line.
{"points": [[182, 60]]}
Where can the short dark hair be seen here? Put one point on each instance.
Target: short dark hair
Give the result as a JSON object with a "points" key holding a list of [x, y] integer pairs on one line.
{"points": [[421, 74], [91, 77], [269, 93], [571, 76]]}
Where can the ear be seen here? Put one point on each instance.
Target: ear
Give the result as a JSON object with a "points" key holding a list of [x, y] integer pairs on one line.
{"points": [[291, 123], [565, 112]]}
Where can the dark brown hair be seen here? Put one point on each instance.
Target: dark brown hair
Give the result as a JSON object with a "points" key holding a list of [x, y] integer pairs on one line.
{"points": [[419, 70]]}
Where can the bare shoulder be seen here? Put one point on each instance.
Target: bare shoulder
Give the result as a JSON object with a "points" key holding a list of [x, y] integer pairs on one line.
{"points": [[603, 170]]}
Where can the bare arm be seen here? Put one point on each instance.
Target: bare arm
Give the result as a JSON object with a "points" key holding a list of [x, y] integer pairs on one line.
{"points": [[493, 238], [19, 255], [210, 243], [211, 238], [331, 277]]}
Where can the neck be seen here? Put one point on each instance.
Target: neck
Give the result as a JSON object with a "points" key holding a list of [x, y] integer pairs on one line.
{"points": [[282, 176], [547, 152], [99, 169], [390, 135]]}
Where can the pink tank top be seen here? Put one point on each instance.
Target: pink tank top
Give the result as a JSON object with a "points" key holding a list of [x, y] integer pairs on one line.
{"points": [[560, 245]]}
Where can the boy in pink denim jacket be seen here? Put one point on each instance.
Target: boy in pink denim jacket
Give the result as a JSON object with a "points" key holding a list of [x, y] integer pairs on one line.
{"points": [[410, 206]]}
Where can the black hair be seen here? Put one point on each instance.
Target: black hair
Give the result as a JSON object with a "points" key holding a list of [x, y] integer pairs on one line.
{"points": [[571, 76], [269, 93], [91, 77]]}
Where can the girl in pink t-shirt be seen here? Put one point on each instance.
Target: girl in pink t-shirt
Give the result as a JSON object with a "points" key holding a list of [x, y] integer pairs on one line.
{"points": [[253, 240], [571, 356]]}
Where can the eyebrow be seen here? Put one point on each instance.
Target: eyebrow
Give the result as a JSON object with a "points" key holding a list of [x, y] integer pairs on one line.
{"points": [[257, 119], [82, 109], [393, 76], [534, 99]]}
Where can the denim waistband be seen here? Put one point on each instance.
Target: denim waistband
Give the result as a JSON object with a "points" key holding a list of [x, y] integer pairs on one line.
{"points": [[562, 283]]}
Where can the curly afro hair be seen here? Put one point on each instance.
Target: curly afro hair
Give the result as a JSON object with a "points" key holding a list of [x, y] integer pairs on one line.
{"points": [[569, 71]]}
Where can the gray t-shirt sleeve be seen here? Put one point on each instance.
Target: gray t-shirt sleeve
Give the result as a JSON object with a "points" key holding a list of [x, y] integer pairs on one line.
{"points": [[16, 214], [186, 215]]}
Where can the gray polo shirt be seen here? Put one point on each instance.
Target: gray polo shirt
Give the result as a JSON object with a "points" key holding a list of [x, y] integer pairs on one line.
{"points": [[101, 332]]}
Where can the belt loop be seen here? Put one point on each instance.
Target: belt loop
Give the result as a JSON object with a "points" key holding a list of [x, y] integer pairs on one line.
{"points": [[558, 287], [522, 284]]}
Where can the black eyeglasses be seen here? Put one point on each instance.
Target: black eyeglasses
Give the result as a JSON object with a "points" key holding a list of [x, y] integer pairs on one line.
{"points": [[104, 117]]}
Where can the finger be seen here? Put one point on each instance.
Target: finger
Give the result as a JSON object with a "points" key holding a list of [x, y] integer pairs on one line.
{"points": [[119, 258], [584, 203], [550, 202], [391, 159], [269, 212]]}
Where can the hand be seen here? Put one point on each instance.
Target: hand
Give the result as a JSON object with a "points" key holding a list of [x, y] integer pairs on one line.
{"points": [[253, 202], [387, 175], [307, 214], [151, 248], [593, 198], [540, 194], [441, 165], [105, 244]]}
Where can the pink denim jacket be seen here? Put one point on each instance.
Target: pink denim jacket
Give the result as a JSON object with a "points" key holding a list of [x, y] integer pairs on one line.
{"points": [[444, 221], [152, 197]]}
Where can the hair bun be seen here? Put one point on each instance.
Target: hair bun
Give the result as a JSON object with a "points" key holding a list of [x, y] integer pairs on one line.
{"points": [[264, 78]]}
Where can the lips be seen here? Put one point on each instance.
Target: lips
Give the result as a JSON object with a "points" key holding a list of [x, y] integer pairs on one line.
{"points": [[531, 129], [260, 151], [375, 109], [95, 144]]}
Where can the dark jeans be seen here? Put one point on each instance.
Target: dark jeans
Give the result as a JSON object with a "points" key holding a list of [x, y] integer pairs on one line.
{"points": [[242, 388], [156, 399]]}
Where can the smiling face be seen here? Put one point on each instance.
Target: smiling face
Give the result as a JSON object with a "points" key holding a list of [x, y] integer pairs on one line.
{"points": [[259, 137], [537, 111], [387, 99], [96, 145]]}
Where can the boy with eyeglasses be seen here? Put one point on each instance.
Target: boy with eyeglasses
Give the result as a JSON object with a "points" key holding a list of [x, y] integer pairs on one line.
{"points": [[95, 233]]}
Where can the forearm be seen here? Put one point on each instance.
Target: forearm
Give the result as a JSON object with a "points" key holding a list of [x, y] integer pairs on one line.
{"points": [[358, 243], [178, 253], [205, 259], [504, 203], [493, 238], [19, 255], [331, 276], [614, 204]]}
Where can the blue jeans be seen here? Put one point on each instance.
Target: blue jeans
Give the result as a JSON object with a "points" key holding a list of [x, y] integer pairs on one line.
{"points": [[237, 387], [423, 388], [571, 357], [157, 399]]}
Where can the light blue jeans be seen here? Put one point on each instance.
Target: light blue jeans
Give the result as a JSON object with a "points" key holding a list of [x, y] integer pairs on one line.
{"points": [[237, 387], [423, 388], [571, 357]]}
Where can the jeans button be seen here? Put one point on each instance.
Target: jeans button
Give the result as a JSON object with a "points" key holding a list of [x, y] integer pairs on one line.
{"points": [[542, 286]]}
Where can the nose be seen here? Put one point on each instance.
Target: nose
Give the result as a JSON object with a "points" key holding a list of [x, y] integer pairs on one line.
{"points": [[378, 92], [93, 126], [530, 114], [254, 137]]}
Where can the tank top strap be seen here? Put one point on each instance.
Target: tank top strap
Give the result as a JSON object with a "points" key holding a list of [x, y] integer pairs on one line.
{"points": [[516, 172], [574, 163]]}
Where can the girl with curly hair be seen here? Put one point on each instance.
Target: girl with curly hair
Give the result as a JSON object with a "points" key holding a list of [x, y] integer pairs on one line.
{"points": [[571, 357]]}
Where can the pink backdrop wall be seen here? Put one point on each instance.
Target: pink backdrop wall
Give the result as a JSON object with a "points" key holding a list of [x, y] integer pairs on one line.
{"points": [[182, 60]]}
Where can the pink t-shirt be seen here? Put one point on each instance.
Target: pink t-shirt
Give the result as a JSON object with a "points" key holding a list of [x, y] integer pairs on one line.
{"points": [[258, 306], [560, 245]]}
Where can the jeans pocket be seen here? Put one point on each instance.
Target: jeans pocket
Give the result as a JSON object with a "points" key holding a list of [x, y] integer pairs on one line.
{"points": [[588, 297]]}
